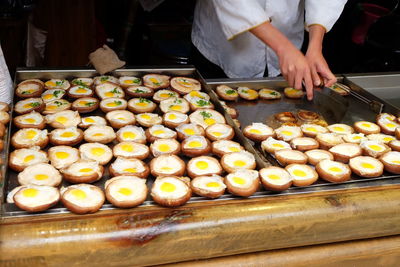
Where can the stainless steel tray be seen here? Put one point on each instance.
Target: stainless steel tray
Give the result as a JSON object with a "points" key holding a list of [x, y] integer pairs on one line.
{"points": [[359, 105], [44, 74]]}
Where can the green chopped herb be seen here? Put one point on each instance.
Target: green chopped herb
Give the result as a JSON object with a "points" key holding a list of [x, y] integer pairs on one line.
{"points": [[80, 83], [104, 78], [171, 94], [230, 92], [156, 83], [60, 83], [178, 101], [35, 104], [139, 91], [115, 91], [202, 103], [273, 93], [137, 80], [245, 91], [143, 100], [117, 102], [25, 92], [205, 114], [89, 104], [58, 103], [56, 93]]}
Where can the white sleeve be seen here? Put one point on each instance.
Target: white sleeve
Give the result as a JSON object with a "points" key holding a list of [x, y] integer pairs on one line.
{"points": [[6, 84], [238, 16], [323, 12]]}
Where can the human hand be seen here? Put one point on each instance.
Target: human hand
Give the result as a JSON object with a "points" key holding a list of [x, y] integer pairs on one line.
{"points": [[295, 68], [319, 68]]}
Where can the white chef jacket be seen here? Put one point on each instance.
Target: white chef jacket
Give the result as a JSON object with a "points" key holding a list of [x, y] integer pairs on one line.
{"points": [[221, 30]]}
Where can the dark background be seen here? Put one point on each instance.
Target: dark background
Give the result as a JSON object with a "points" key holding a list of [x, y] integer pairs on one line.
{"points": [[359, 41]]}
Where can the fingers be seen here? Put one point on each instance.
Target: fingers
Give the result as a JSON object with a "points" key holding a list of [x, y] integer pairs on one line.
{"points": [[309, 86], [315, 77]]}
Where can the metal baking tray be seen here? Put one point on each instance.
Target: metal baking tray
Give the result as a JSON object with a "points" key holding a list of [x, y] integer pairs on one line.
{"points": [[44, 74], [334, 108]]}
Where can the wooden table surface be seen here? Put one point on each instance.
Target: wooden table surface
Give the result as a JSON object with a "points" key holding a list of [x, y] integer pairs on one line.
{"points": [[278, 228]]}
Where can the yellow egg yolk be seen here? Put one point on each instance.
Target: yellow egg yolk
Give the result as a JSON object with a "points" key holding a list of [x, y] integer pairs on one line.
{"points": [[29, 120], [127, 148], [274, 177], [335, 169], [396, 161], [390, 125], [128, 135], [166, 168], [81, 91], [48, 97], [168, 187], [288, 133], [239, 180], [78, 194], [234, 149], [239, 163], [29, 105], [189, 131], [195, 93], [112, 104], [209, 121], [50, 84], [255, 131], [375, 147], [299, 173], [61, 119], [128, 81], [97, 151], [367, 165], [85, 170], [89, 120], [172, 117], [41, 177], [98, 134], [30, 134], [83, 103], [30, 192], [338, 129], [125, 191], [121, 119], [145, 117], [388, 139], [67, 134], [164, 95], [212, 184], [29, 158], [202, 165], [158, 132], [62, 155], [164, 148], [357, 137], [311, 129], [131, 170], [366, 125], [195, 144], [51, 107], [217, 134], [153, 80], [175, 108], [141, 104], [278, 145], [184, 82], [109, 94]]}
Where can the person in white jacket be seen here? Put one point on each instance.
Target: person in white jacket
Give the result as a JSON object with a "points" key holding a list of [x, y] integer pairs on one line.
{"points": [[244, 37], [5, 80]]}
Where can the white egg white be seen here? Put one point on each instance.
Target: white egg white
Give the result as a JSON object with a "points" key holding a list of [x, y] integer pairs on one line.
{"points": [[242, 178], [169, 188], [40, 174]]}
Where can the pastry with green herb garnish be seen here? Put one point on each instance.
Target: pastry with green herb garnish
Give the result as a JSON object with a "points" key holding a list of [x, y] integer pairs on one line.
{"points": [[85, 104], [126, 81], [86, 82], [247, 93], [105, 79], [164, 94], [227, 93], [107, 90], [141, 105], [79, 91], [206, 117], [139, 91], [113, 103], [184, 85], [156, 81], [57, 84], [29, 89], [175, 104], [269, 94], [28, 105]]}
